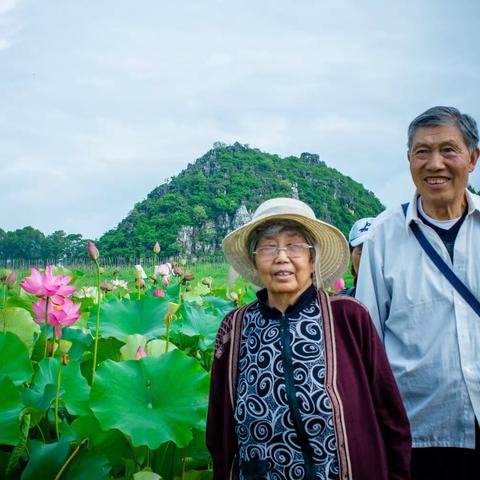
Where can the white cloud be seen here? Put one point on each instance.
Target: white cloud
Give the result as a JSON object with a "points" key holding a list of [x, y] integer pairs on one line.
{"points": [[103, 101]]}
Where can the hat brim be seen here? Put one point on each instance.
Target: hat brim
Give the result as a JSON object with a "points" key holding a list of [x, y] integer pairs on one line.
{"points": [[332, 245]]}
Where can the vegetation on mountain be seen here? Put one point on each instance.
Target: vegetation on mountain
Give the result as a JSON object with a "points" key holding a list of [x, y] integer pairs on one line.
{"points": [[209, 193], [191, 213]]}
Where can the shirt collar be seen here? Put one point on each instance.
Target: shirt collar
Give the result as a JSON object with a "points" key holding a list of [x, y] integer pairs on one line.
{"points": [[473, 202], [305, 299]]}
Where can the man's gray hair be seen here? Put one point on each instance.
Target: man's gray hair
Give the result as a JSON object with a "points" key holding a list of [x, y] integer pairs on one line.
{"points": [[450, 116]]}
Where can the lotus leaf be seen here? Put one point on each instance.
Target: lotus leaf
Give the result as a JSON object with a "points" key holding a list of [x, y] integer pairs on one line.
{"points": [[121, 318], [88, 466], [74, 389], [198, 322], [19, 321], [113, 445], [14, 358], [10, 408], [46, 460], [152, 400]]}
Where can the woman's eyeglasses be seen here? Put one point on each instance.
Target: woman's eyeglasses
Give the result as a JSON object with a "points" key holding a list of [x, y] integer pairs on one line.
{"points": [[293, 250]]}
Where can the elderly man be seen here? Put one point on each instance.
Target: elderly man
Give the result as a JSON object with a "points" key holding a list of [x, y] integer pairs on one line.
{"points": [[430, 332]]}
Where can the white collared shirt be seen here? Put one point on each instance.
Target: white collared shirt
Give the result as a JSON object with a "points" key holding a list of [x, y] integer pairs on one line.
{"points": [[431, 335]]}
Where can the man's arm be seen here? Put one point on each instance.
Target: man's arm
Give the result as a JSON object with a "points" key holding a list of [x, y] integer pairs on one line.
{"points": [[371, 289]]}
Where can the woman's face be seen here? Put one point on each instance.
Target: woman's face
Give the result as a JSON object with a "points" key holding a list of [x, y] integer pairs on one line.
{"points": [[356, 254], [282, 275]]}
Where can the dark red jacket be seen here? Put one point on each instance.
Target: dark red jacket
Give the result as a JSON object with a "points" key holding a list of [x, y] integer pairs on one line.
{"points": [[371, 426]]}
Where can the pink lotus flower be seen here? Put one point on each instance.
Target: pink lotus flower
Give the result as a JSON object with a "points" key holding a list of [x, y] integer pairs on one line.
{"points": [[165, 269], [140, 353], [11, 278], [158, 292], [48, 285], [58, 316], [338, 284]]}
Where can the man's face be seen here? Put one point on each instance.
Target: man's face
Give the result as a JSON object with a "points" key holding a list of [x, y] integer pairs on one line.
{"points": [[440, 164]]}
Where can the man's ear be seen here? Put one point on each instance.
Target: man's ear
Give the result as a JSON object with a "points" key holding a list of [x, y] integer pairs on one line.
{"points": [[473, 159], [408, 156]]}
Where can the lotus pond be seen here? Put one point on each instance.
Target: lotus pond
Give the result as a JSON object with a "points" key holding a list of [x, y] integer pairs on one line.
{"points": [[109, 382]]}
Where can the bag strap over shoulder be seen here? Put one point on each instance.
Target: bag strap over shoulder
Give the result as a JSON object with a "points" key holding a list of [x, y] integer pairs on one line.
{"points": [[448, 273]]}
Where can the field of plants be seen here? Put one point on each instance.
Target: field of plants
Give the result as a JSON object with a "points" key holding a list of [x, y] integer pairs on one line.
{"points": [[105, 373]]}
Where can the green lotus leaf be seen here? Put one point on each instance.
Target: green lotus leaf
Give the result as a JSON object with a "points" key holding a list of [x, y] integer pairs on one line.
{"points": [[81, 342], [14, 358], [20, 322], [155, 348], [10, 408], [218, 305], [112, 445], [46, 460], [120, 318], [74, 389], [197, 321], [146, 476], [21, 446], [22, 299], [152, 400], [198, 475], [87, 466]]}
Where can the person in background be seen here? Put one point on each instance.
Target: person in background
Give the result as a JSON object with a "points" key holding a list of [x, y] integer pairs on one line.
{"points": [[300, 384], [430, 331], [356, 238]]}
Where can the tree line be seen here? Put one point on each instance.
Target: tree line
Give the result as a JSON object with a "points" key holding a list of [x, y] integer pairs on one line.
{"points": [[30, 243]]}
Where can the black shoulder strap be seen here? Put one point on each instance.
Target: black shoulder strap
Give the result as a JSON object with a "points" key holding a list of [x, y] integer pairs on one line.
{"points": [[448, 273]]}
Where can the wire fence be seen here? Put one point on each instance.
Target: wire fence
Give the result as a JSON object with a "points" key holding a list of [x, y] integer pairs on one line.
{"points": [[84, 263]]}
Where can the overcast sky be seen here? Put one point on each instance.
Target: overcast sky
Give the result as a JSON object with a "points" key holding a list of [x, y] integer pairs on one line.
{"points": [[102, 101]]}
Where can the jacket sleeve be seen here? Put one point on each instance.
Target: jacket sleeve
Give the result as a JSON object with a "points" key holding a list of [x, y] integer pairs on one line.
{"points": [[220, 437], [214, 434], [371, 289], [390, 411]]}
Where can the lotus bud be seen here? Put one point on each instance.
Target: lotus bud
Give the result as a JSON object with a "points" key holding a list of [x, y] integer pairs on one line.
{"points": [[208, 281], [64, 358], [154, 278], [183, 262], [92, 251], [5, 274], [234, 297], [140, 272], [338, 284], [188, 277], [140, 353], [11, 278], [139, 282], [156, 248], [172, 308], [158, 292], [165, 281], [106, 287], [177, 271]]}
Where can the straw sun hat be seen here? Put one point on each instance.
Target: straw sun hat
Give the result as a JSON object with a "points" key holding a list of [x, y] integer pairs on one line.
{"points": [[332, 253]]}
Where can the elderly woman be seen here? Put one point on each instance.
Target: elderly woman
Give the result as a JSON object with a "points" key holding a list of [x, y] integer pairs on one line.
{"points": [[300, 385]]}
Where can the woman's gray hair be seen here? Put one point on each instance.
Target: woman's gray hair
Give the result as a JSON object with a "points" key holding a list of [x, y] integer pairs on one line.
{"points": [[450, 116]]}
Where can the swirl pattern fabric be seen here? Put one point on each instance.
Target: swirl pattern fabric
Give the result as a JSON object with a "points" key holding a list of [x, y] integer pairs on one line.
{"points": [[263, 421]]}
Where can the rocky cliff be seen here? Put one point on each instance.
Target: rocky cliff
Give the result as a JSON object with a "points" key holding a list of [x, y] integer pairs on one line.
{"points": [[191, 214]]}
